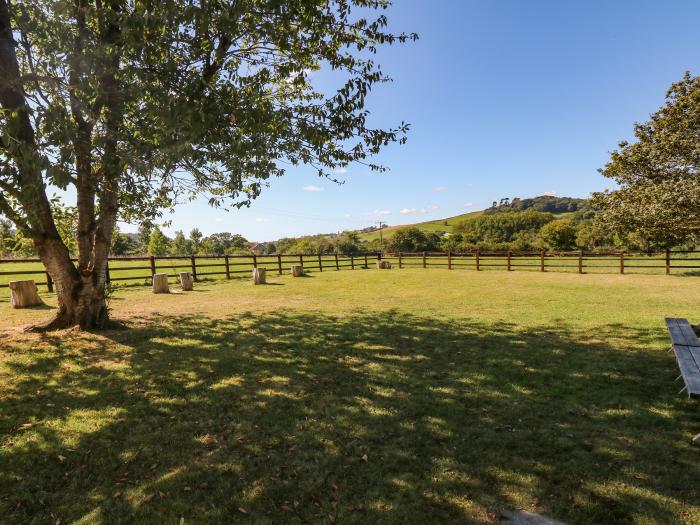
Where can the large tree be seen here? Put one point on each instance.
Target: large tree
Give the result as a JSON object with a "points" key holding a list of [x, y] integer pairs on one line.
{"points": [[137, 104], [659, 174]]}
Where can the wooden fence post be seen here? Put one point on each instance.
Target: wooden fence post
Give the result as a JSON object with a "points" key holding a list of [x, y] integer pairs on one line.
{"points": [[336, 262], [49, 282], [320, 263], [228, 267], [580, 261], [108, 278], [279, 263], [153, 266], [478, 268], [424, 262], [301, 259], [193, 264], [352, 262], [400, 263], [255, 260], [366, 263], [622, 262], [449, 260], [668, 262], [509, 255], [542, 261]]}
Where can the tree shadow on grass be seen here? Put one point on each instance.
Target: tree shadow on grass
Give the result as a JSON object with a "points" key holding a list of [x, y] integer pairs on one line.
{"points": [[385, 417]]}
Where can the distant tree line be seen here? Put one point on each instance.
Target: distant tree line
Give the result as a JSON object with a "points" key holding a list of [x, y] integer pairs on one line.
{"points": [[523, 231], [516, 225], [546, 203]]}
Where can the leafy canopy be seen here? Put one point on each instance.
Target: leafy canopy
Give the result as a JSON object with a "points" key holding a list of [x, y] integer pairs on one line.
{"points": [[659, 174], [203, 97]]}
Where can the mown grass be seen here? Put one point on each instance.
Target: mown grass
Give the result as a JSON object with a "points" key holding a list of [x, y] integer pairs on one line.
{"points": [[406, 396]]}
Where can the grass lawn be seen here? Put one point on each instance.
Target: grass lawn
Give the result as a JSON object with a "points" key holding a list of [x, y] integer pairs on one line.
{"points": [[401, 396]]}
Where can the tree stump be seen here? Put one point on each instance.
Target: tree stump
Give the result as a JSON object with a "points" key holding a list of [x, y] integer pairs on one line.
{"points": [[160, 283], [259, 276], [25, 294], [383, 265], [297, 270], [186, 281]]}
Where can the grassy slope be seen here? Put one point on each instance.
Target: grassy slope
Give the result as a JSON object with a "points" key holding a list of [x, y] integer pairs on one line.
{"points": [[407, 396], [437, 225], [430, 226]]}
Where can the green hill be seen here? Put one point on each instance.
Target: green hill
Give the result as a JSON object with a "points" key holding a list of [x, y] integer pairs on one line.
{"points": [[439, 225], [560, 207]]}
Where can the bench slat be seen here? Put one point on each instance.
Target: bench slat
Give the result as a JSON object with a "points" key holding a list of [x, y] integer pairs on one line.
{"points": [[688, 358], [681, 332]]}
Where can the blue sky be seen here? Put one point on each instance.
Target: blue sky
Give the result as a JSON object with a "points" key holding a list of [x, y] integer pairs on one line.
{"points": [[506, 98]]}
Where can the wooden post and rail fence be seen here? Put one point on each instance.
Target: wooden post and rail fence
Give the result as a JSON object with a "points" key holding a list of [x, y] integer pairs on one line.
{"points": [[231, 266]]}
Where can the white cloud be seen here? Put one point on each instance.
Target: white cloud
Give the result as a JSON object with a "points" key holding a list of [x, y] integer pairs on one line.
{"points": [[432, 207], [259, 219], [550, 193], [439, 189], [340, 171], [219, 219], [379, 213], [467, 205], [348, 215], [408, 211], [311, 187]]}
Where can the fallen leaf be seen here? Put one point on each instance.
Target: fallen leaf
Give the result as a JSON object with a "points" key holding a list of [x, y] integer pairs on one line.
{"points": [[61, 458], [241, 509], [364, 457], [25, 426]]}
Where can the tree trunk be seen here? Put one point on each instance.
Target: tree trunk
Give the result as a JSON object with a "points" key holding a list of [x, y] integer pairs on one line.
{"points": [[81, 304], [81, 294], [186, 281], [24, 294], [160, 283], [259, 276]]}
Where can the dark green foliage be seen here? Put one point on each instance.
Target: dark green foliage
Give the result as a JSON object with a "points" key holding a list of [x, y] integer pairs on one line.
{"points": [[223, 243], [559, 235], [659, 175], [413, 239], [122, 244], [502, 227], [158, 243], [544, 203], [180, 245]]}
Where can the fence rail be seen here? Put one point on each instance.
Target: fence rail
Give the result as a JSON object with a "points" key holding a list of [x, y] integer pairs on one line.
{"points": [[578, 261], [230, 266], [200, 266]]}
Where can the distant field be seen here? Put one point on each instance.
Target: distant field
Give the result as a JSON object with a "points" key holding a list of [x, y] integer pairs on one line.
{"points": [[359, 397], [131, 273]]}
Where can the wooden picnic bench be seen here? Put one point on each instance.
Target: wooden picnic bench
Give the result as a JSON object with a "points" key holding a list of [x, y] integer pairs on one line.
{"points": [[686, 346]]}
